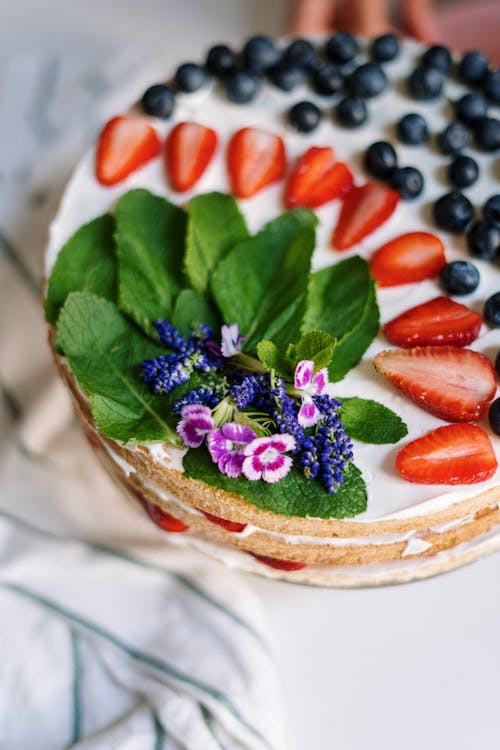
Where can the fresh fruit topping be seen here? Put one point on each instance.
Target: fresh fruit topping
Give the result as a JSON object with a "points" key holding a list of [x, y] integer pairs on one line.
{"points": [[317, 178], [221, 60], [384, 48], [367, 81], [381, 159], [408, 181], [412, 129], [453, 211], [425, 83], [287, 76], [364, 209], [301, 52], [491, 209], [260, 54], [473, 67], [483, 239], [351, 111], [188, 151], [341, 48], [164, 520], [158, 101], [273, 562], [255, 159], [470, 107], [454, 138], [491, 310], [451, 383], [439, 322], [241, 86], [304, 116], [463, 171], [233, 526], [327, 79], [126, 143], [487, 133], [459, 277], [437, 57], [491, 85], [190, 77], [409, 258], [453, 454]]}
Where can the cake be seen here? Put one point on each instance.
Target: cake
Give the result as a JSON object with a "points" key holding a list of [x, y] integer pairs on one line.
{"points": [[279, 339]]}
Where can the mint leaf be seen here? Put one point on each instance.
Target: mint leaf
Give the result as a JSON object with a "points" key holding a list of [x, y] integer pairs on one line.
{"points": [[104, 351], [317, 346], [150, 235], [272, 359], [371, 422], [342, 302], [86, 263], [191, 308], [293, 495], [215, 224]]}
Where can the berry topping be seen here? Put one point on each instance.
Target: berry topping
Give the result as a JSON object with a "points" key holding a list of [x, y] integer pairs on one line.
{"points": [[483, 239], [491, 209], [301, 52], [437, 57], [494, 416], [491, 310], [233, 526], [286, 76], [470, 107], [188, 151], [125, 144], [491, 85], [454, 138], [190, 77], [459, 277], [327, 79], [425, 83], [453, 454], [317, 178], [341, 48], [260, 54], [384, 48], [472, 67], [439, 322], [241, 86], [273, 562], [451, 383], [367, 81], [164, 520], [381, 159], [221, 60], [463, 171], [255, 159], [412, 129], [453, 211], [409, 258], [364, 209], [408, 181], [158, 101], [487, 132], [304, 117], [351, 111]]}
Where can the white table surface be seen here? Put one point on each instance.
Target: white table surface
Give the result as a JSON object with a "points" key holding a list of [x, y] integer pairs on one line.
{"points": [[401, 667]]}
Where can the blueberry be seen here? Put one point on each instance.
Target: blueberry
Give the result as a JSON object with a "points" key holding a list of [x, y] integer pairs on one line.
{"points": [[341, 48], [408, 181], [412, 129], [158, 100], [367, 81], [352, 112], [491, 310], [286, 76], [472, 67], [327, 79], [497, 363], [384, 48], [381, 159], [437, 57], [470, 107], [260, 54], [304, 117], [190, 77], [463, 171], [301, 52], [241, 86], [494, 416], [491, 85], [425, 83], [487, 133], [220, 60], [454, 138], [453, 212], [491, 209], [483, 239], [459, 277]]}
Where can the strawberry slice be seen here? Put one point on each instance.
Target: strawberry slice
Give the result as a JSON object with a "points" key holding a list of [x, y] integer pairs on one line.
{"points": [[438, 322], [454, 384], [273, 562], [234, 526], [317, 178], [411, 257], [164, 520], [255, 159], [364, 209], [453, 454], [188, 151], [125, 144]]}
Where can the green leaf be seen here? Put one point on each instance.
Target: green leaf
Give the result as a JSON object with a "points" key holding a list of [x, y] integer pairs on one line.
{"points": [[317, 346], [371, 422], [215, 224], [342, 301], [191, 308], [150, 244], [272, 359], [104, 351], [294, 495], [86, 263]]}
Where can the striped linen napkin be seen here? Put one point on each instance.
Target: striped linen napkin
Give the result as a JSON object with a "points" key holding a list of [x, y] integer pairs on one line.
{"points": [[109, 637]]}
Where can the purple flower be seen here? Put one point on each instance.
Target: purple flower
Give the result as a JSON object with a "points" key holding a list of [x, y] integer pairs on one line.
{"points": [[231, 340], [264, 458], [226, 445], [196, 423], [310, 385]]}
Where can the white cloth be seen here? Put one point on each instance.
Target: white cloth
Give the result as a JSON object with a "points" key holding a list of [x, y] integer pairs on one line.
{"points": [[109, 637]]}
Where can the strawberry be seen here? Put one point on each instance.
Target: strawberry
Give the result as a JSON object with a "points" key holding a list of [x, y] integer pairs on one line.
{"points": [[364, 209], [234, 526], [453, 454], [411, 257], [188, 151], [255, 159], [317, 178], [438, 322], [164, 520], [273, 562], [126, 143], [454, 384]]}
